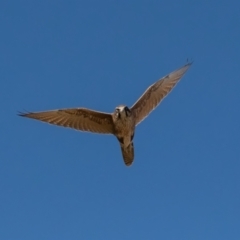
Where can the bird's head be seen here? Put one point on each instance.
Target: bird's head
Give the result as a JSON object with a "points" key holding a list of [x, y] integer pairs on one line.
{"points": [[122, 112]]}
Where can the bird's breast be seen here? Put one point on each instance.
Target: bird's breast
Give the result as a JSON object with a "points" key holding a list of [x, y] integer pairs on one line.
{"points": [[124, 127]]}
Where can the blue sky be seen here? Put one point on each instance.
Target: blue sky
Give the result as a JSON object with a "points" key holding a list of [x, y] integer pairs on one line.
{"points": [[58, 183]]}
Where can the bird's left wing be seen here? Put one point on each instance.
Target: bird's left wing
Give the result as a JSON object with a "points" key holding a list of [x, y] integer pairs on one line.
{"points": [[155, 93], [78, 118]]}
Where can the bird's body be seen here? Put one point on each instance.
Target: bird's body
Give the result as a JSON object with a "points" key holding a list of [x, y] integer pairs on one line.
{"points": [[124, 127], [121, 122]]}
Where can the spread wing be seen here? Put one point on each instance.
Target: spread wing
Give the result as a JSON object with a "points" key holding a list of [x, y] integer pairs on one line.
{"points": [[78, 118], [155, 93]]}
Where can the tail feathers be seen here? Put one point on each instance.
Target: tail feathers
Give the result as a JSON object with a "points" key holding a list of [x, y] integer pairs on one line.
{"points": [[128, 154]]}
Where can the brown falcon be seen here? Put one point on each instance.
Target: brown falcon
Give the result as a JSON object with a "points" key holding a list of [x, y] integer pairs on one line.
{"points": [[121, 122]]}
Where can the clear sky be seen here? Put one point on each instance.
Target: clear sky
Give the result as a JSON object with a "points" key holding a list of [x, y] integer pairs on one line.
{"points": [[58, 183]]}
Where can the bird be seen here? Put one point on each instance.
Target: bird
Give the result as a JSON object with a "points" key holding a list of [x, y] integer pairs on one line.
{"points": [[122, 122]]}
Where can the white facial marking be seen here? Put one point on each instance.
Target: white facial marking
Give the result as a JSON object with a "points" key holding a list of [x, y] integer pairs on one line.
{"points": [[121, 108]]}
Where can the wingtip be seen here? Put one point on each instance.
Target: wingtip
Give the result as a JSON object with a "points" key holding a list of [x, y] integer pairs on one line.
{"points": [[20, 114], [186, 66], [23, 114], [189, 62]]}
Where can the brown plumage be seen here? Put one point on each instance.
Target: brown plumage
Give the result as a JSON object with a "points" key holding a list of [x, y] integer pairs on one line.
{"points": [[78, 118], [128, 153], [120, 123], [155, 94]]}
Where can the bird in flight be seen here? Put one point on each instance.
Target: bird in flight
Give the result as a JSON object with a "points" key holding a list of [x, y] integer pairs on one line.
{"points": [[122, 122]]}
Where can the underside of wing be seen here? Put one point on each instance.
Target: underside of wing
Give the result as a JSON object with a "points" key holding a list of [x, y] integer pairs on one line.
{"points": [[155, 93], [78, 118]]}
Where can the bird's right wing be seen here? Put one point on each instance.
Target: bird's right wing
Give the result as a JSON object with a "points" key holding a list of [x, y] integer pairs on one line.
{"points": [[155, 93], [78, 118]]}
